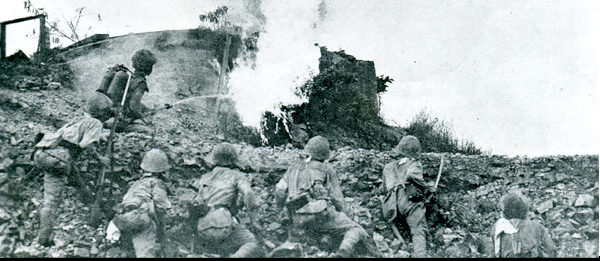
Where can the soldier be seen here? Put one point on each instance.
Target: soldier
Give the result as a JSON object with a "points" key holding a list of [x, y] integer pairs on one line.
{"points": [[515, 236], [215, 206], [144, 206], [312, 195], [55, 156], [405, 192], [114, 83]]}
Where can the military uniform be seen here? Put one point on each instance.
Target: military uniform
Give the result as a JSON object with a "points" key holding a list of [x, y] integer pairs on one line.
{"points": [[54, 157], [397, 203], [323, 211], [528, 239], [217, 229], [144, 206], [405, 192]]}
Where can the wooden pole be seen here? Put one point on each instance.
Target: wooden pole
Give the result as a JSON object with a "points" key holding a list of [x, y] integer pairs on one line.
{"points": [[2, 41], [43, 43]]}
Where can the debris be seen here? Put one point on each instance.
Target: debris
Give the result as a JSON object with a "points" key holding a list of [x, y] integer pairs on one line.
{"points": [[544, 206], [584, 200]]}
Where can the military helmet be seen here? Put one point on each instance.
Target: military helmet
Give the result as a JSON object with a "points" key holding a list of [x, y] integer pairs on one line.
{"points": [[318, 148], [143, 60], [224, 154], [514, 205], [98, 106], [155, 161], [409, 146]]}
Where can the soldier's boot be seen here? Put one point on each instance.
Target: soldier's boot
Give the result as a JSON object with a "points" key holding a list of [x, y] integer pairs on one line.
{"points": [[351, 237], [250, 249], [52, 189]]}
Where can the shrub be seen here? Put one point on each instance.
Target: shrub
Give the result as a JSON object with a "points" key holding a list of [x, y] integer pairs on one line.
{"points": [[436, 136]]}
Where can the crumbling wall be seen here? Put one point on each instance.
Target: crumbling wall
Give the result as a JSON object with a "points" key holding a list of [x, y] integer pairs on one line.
{"points": [[188, 62]]}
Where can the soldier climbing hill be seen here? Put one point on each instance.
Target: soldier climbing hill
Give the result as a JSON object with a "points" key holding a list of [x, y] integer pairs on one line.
{"points": [[118, 82], [311, 193], [55, 156], [144, 206], [406, 191], [215, 206]]}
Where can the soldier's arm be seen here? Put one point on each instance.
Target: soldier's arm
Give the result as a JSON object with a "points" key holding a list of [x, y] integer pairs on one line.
{"points": [[415, 174], [136, 107], [159, 195], [249, 200], [281, 189], [335, 192]]}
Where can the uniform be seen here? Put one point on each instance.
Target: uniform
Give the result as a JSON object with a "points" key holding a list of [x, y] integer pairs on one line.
{"points": [[218, 230], [54, 156]]}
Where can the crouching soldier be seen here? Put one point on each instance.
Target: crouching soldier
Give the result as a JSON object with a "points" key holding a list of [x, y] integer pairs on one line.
{"points": [[515, 236], [114, 85], [215, 206], [311, 193], [405, 192], [140, 215], [56, 154]]}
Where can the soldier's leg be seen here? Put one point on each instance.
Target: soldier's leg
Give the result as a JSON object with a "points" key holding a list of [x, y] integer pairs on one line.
{"points": [[340, 224], [246, 241], [53, 185], [416, 222], [145, 242]]}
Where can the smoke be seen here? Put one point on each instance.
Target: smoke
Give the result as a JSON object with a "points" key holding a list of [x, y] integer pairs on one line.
{"points": [[286, 57]]}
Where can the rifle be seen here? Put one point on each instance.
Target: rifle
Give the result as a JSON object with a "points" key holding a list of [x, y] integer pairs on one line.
{"points": [[96, 213], [437, 180]]}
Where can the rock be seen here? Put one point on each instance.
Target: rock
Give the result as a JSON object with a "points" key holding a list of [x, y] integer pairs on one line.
{"points": [[584, 216], [273, 226], [584, 200], [81, 252], [53, 85], [94, 250], [4, 164], [402, 254], [380, 242], [396, 244], [4, 216], [55, 253], [27, 251], [61, 239], [544, 206], [590, 249], [7, 245]]}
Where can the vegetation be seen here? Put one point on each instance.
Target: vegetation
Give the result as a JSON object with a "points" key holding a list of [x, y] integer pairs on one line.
{"points": [[436, 136]]}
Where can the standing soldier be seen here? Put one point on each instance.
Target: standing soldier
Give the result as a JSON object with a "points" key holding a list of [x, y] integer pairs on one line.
{"points": [[312, 195], [215, 206], [55, 156], [405, 192], [144, 206], [515, 236], [114, 83]]}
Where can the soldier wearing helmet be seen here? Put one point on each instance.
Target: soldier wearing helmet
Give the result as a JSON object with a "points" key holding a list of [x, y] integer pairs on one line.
{"points": [[311, 193], [405, 192], [215, 205], [55, 155], [144, 206], [514, 235], [113, 86]]}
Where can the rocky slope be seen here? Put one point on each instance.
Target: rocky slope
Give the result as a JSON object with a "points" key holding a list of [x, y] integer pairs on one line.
{"points": [[563, 189]]}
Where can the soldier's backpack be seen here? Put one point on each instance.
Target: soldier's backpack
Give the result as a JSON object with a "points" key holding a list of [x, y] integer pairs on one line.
{"points": [[132, 221], [113, 83], [316, 197], [517, 244], [216, 225]]}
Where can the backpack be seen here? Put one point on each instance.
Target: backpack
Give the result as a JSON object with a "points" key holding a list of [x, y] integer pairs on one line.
{"points": [[518, 245]]}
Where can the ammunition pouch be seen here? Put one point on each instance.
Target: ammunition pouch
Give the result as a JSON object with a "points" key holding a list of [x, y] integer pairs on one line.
{"points": [[132, 221], [296, 202]]}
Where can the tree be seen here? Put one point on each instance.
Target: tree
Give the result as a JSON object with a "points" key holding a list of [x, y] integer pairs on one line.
{"points": [[73, 32]]}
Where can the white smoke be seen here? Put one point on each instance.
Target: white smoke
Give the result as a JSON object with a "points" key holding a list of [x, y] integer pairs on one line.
{"points": [[286, 57]]}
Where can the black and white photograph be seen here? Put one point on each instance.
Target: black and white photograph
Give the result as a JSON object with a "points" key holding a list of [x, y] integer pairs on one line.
{"points": [[299, 129]]}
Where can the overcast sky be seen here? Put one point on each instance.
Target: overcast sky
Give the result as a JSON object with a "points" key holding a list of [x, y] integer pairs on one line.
{"points": [[515, 77]]}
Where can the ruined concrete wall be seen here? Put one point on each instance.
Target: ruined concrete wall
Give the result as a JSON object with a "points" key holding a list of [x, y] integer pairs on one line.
{"points": [[181, 71]]}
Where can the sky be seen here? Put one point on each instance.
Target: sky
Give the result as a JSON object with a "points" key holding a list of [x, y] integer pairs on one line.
{"points": [[514, 77]]}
